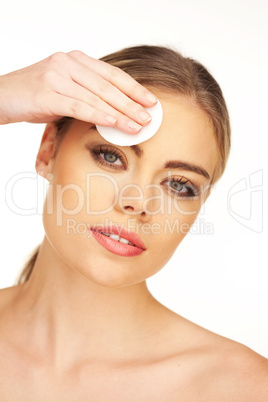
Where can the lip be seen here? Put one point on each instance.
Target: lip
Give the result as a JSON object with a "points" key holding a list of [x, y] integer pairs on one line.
{"points": [[117, 247]]}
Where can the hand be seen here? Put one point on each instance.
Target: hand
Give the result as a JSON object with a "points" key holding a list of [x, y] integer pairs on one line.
{"points": [[75, 85]]}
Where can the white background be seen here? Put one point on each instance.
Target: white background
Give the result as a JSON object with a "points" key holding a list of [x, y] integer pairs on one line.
{"points": [[220, 280]]}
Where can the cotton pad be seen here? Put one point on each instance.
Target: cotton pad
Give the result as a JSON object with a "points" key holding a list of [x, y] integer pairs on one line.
{"points": [[118, 137]]}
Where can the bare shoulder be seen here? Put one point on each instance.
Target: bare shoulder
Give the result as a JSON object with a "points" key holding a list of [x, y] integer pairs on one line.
{"points": [[7, 296], [227, 370], [210, 367], [241, 373]]}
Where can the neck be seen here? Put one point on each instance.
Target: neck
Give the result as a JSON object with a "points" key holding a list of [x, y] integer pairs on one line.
{"points": [[68, 312]]}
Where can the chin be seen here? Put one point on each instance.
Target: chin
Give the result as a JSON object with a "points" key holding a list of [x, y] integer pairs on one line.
{"points": [[107, 273], [108, 280]]}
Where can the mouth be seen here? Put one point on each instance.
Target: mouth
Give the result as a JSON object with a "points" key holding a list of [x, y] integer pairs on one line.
{"points": [[118, 240]]}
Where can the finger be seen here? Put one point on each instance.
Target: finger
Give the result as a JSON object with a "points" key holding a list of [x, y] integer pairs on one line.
{"points": [[70, 89], [109, 93], [66, 106], [61, 105], [117, 77]]}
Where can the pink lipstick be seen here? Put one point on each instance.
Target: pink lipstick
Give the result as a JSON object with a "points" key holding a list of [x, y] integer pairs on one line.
{"points": [[118, 240]]}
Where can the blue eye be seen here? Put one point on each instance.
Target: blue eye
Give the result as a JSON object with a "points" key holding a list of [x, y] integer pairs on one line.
{"points": [[181, 187], [109, 157], [175, 185]]}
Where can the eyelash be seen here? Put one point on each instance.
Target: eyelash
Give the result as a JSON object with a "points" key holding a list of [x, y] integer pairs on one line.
{"points": [[192, 190], [106, 149]]}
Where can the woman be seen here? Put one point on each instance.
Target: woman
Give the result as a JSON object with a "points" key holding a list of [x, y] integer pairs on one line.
{"points": [[81, 324]]}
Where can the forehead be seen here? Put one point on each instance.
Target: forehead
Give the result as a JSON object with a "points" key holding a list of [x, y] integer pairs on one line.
{"points": [[186, 133]]}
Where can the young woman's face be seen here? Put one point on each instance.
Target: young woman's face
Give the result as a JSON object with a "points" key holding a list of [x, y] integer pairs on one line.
{"points": [[154, 190]]}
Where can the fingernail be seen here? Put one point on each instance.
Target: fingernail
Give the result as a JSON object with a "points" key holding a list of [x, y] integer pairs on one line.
{"points": [[144, 116], [111, 119], [151, 98], [134, 126]]}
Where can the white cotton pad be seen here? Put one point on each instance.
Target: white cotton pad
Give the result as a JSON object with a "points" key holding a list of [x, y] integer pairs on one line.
{"points": [[118, 137]]}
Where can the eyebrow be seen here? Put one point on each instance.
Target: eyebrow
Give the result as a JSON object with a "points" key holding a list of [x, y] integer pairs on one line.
{"points": [[187, 166], [137, 150], [175, 164]]}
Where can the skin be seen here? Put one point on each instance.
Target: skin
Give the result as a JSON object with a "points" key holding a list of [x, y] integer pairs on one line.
{"points": [[76, 85], [85, 325]]}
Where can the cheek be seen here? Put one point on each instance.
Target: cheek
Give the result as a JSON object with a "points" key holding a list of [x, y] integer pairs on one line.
{"points": [[101, 193], [83, 190], [168, 231]]}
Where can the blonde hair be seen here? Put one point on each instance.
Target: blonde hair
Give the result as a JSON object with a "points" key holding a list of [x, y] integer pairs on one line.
{"points": [[166, 69]]}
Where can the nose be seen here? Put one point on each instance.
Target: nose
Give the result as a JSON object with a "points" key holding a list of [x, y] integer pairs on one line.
{"points": [[131, 200]]}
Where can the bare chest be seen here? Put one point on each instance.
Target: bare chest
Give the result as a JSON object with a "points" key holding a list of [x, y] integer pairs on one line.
{"points": [[153, 382]]}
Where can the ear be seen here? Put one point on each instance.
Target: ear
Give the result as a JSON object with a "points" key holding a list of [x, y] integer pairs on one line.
{"points": [[44, 160]]}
